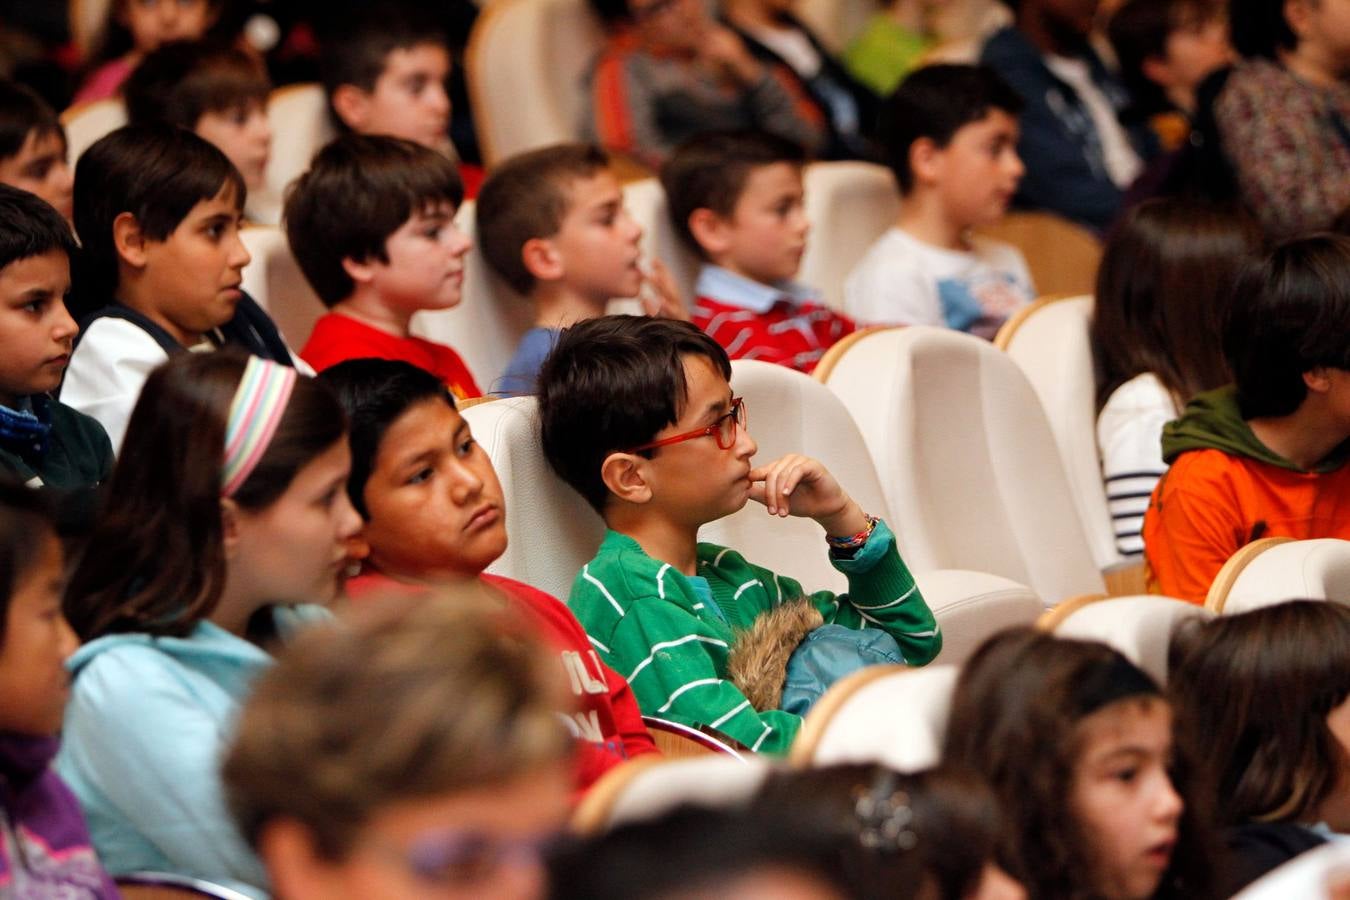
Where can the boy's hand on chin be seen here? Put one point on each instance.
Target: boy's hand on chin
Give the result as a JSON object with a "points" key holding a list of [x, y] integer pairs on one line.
{"points": [[797, 485]]}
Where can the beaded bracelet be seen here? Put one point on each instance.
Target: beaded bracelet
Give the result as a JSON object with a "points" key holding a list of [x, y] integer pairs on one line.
{"points": [[853, 542]]}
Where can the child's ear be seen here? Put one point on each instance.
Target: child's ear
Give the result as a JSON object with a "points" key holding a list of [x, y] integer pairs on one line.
{"points": [[229, 526], [625, 476], [925, 160], [711, 231], [1296, 14], [129, 240], [1318, 380], [541, 259], [352, 106], [359, 271]]}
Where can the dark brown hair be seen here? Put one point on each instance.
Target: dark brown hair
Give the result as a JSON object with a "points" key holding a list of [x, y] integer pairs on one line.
{"points": [[155, 562], [181, 81], [1260, 685], [26, 521], [527, 197], [1163, 293], [1014, 719]]}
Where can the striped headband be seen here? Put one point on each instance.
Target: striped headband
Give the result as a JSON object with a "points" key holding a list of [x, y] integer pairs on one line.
{"points": [[255, 412]]}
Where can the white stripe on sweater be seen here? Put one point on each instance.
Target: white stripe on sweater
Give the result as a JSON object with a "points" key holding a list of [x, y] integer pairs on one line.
{"points": [[896, 602], [702, 682], [722, 721], [586, 574], [657, 648]]}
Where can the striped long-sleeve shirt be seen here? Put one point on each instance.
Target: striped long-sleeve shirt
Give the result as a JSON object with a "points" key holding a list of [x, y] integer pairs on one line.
{"points": [[670, 635]]}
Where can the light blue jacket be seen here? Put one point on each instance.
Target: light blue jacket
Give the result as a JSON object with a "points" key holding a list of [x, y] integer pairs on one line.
{"points": [[148, 722]]}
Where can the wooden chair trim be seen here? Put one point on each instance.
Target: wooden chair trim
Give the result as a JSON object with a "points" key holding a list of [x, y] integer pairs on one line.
{"points": [[1052, 618], [1223, 583], [818, 720], [1009, 328], [677, 740], [831, 357], [171, 886], [593, 812], [1127, 579], [462, 405]]}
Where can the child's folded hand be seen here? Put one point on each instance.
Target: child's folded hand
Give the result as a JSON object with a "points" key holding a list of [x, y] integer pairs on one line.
{"points": [[662, 297], [797, 485]]}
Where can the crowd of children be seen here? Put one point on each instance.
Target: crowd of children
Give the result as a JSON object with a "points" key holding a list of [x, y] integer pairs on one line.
{"points": [[251, 626]]}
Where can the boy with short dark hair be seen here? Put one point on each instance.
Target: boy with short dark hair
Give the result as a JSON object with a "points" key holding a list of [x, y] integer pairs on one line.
{"points": [[1166, 48], [551, 222], [736, 199], [212, 89], [1265, 456], [434, 514], [950, 138], [638, 416], [1080, 156], [42, 441], [33, 147], [372, 226]]}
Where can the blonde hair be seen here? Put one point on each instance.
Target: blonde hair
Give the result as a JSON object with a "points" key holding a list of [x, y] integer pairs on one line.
{"points": [[411, 698]]}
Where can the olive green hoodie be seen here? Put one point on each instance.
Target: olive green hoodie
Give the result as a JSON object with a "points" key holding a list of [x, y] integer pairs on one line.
{"points": [[1212, 421]]}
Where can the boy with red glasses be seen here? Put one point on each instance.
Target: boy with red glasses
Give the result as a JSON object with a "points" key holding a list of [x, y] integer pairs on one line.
{"points": [[637, 414]]}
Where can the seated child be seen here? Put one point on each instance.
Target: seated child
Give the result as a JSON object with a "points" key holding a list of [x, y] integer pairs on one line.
{"points": [[132, 29], [372, 225], [551, 222], [892, 44], [33, 147], [435, 767], [664, 451], [1077, 743], [42, 441], [950, 138], [434, 514], [386, 72], [1265, 456], [226, 521], [215, 90], [47, 848], [157, 211], [1272, 686], [669, 71], [1079, 153], [1163, 290], [735, 198]]}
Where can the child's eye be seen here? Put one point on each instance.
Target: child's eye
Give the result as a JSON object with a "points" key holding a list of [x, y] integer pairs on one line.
{"points": [[466, 447], [34, 306], [422, 476], [433, 233], [1125, 776]]}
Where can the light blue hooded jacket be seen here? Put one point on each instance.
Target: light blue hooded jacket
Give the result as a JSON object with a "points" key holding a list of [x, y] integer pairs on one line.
{"points": [[148, 722]]}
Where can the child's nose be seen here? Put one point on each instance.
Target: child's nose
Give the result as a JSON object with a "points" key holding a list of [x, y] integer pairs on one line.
{"points": [[65, 325], [239, 255], [349, 520], [465, 484], [1169, 804]]}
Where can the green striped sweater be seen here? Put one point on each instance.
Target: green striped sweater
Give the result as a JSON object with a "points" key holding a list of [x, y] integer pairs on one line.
{"points": [[670, 634]]}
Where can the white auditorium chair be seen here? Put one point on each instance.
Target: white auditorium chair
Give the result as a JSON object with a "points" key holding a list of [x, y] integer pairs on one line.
{"points": [[650, 786], [87, 122], [1140, 627], [487, 324], [850, 205], [525, 62], [646, 203], [788, 412], [1049, 342], [298, 115], [274, 279], [966, 454], [553, 532], [888, 714], [1277, 569]]}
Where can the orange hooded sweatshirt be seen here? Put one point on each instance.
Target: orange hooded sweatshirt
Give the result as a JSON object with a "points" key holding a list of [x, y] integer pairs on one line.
{"points": [[1225, 489]]}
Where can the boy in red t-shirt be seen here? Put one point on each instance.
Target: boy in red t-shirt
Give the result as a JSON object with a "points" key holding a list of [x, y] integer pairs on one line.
{"points": [[434, 514], [736, 199], [372, 226]]}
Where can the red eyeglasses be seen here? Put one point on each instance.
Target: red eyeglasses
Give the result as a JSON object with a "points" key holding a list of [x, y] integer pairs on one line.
{"points": [[724, 430]]}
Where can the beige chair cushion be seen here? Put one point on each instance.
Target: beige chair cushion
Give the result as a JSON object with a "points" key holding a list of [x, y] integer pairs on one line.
{"points": [[1313, 570], [487, 324], [967, 456], [898, 720], [1140, 627], [274, 279], [525, 63], [90, 121], [298, 115], [971, 607], [715, 780], [850, 205], [1051, 347], [553, 533]]}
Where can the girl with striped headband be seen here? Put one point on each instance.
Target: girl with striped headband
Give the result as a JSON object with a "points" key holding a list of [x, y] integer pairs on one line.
{"points": [[226, 515]]}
